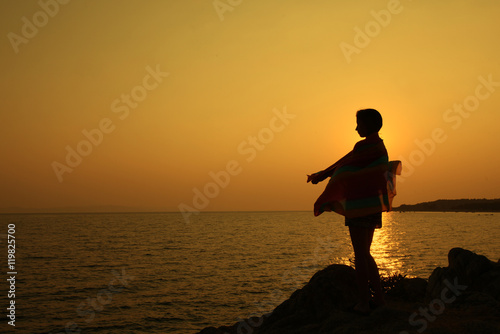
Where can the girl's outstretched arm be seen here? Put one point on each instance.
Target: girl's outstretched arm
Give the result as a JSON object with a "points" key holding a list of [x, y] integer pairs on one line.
{"points": [[320, 176]]}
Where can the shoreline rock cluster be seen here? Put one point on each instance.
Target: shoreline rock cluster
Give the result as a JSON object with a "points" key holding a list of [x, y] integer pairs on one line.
{"points": [[462, 298]]}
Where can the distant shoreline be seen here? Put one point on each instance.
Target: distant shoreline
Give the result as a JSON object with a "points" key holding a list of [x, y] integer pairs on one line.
{"points": [[453, 205]]}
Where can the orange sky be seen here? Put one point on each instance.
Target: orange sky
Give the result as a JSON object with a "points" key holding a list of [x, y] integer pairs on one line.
{"points": [[155, 98]]}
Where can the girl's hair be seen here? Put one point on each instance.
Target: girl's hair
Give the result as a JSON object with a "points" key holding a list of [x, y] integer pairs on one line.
{"points": [[371, 118]]}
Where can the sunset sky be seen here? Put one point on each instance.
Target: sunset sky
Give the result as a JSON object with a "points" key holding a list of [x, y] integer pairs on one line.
{"points": [[144, 103]]}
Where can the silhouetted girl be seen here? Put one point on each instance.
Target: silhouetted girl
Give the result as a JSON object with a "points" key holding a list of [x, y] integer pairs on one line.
{"points": [[361, 187]]}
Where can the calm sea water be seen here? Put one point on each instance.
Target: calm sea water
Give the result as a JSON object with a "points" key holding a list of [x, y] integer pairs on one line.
{"points": [[153, 273]]}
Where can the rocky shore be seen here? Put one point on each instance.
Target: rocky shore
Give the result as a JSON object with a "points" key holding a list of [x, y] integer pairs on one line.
{"points": [[461, 298]]}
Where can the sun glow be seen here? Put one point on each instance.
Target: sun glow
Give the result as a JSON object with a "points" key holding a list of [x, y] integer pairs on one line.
{"points": [[62, 77]]}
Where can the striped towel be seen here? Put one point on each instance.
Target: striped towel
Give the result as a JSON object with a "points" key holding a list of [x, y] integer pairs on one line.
{"points": [[362, 183]]}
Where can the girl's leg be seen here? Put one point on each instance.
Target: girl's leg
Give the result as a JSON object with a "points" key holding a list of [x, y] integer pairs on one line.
{"points": [[361, 245], [366, 267], [374, 276]]}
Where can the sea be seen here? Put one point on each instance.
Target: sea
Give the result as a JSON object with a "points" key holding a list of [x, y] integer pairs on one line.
{"points": [[158, 273]]}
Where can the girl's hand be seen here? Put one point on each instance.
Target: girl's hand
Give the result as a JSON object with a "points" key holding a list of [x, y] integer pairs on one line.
{"points": [[314, 178]]}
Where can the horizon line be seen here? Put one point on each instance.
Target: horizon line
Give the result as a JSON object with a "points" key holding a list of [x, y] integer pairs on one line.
{"points": [[126, 209]]}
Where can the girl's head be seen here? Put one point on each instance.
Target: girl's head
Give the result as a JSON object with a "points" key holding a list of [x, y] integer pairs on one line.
{"points": [[369, 121]]}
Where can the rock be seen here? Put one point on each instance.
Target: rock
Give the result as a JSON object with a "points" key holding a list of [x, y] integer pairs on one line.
{"points": [[415, 289], [410, 289], [462, 298], [466, 271], [212, 330], [333, 288]]}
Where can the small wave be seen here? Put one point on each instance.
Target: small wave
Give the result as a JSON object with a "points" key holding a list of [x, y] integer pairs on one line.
{"points": [[163, 319], [165, 303]]}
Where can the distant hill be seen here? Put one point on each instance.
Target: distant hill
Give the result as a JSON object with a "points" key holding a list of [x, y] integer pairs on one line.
{"points": [[454, 205]]}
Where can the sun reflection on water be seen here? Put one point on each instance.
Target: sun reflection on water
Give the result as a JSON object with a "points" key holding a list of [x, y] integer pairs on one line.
{"points": [[387, 248]]}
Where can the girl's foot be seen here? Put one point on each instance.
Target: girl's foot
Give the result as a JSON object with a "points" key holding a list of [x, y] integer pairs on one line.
{"points": [[376, 304], [378, 301], [362, 308]]}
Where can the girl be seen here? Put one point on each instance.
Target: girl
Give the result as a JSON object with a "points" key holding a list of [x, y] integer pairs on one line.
{"points": [[361, 187]]}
